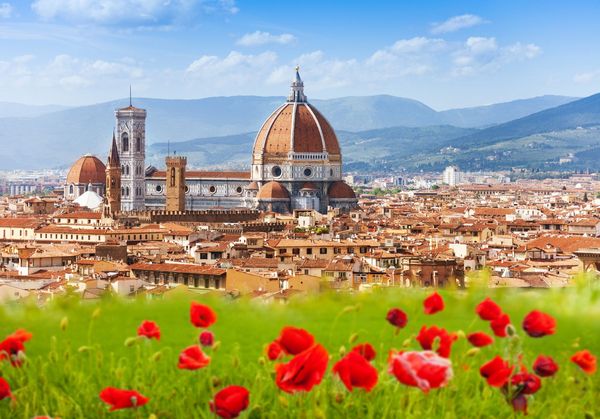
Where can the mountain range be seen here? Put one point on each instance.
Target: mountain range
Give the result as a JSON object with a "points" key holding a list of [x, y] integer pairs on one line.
{"points": [[219, 131]]}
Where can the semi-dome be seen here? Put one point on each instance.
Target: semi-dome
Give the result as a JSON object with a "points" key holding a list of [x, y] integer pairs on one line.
{"points": [[273, 190], [88, 169], [297, 127], [340, 190]]}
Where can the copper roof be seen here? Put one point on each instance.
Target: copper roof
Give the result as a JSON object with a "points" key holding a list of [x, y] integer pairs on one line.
{"points": [[88, 169], [273, 190], [340, 190], [296, 127]]}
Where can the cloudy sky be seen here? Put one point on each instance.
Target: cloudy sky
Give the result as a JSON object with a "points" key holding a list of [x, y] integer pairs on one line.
{"points": [[446, 54]]}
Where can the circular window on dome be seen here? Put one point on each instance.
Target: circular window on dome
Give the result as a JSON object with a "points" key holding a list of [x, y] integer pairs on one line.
{"points": [[276, 171], [238, 189], [308, 172], [212, 189], [158, 188], [187, 189]]}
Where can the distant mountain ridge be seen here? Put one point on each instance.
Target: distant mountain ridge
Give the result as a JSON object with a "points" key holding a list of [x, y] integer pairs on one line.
{"points": [[58, 137]]}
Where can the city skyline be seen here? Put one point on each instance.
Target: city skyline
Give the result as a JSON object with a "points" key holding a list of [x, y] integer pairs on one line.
{"points": [[445, 55]]}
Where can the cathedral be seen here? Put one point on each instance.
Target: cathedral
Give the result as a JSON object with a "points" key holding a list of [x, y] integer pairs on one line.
{"points": [[296, 163]]}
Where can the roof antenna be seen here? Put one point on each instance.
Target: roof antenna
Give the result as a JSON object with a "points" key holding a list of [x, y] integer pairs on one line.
{"points": [[130, 96]]}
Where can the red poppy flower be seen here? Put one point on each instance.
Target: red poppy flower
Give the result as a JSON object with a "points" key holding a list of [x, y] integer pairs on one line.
{"points": [[544, 366], [366, 350], [526, 382], [304, 371], [427, 337], [433, 304], [585, 360], [12, 346], [480, 339], [230, 402], [499, 325], [497, 372], [397, 317], [294, 340], [122, 399], [192, 358], [4, 389], [355, 371], [519, 404], [207, 338], [274, 351], [202, 315], [425, 370], [488, 310], [149, 329], [538, 324]]}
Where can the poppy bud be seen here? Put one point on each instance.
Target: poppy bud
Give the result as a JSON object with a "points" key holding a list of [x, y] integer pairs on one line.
{"points": [[96, 313], [64, 323], [342, 350], [353, 338], [156, 356], [216, 381], [473, 351]]}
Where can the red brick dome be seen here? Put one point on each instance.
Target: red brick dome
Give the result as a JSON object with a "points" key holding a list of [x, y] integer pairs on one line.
{"points": [[340, 190], [273, 190], [88, 169]]}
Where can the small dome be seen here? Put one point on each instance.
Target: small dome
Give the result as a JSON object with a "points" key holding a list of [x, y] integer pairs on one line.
{"points": [[88, 169], [89, 199], [252, 186], [340, 190], [309, 185], [273, 190]]}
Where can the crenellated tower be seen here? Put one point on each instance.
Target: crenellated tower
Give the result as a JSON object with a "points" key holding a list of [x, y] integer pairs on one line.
{"points": [[175, 187], [130, 132]]}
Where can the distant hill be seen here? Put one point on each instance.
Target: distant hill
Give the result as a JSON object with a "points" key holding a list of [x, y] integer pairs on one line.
{"points": [[56, 138], [18, 110]]}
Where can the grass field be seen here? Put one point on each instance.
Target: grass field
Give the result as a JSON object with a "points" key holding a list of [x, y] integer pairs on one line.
{"points": [[66, 367]]}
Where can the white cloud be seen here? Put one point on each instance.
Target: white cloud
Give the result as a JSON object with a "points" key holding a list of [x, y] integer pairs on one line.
{"points": [[142, 12], [234, 69], [262, 38], [6, 10], [417, 44], [587, 77], [456, 23]]}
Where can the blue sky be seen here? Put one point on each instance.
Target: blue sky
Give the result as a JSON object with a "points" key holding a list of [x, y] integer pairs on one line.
{"points": [[444, 53]]}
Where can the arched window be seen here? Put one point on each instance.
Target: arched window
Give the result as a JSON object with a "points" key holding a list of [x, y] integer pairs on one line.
{"points": [[124, 142], [70, 189], [172, 176], [127, 191], [122, 191], [138, 144]]}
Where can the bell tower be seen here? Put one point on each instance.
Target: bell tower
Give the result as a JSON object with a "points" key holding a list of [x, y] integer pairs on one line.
{"points": [[130, 132], [175, 182], [112, 198]]}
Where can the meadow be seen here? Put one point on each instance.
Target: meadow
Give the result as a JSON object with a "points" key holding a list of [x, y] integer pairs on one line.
{"points": [[78, 348]]}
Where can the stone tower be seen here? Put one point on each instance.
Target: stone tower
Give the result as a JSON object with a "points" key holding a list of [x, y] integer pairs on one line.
{"points": [[113, 182], [175, 178], [130, 134]]}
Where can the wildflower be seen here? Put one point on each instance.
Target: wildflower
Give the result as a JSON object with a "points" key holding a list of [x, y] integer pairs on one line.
{"points": [[428, 336], [499, 325], [13, 346], [397, 318], [544, 366], [4, 389], [230, 402], [202, 315], [519, 404], [149, 329], [585, 360], [366, 350], [122, 399], [480, 339], [192, 358], [294, 340], [355, 371], [538, 324], [304, 371], [526, 382], [425, 370], [207, 338], [433, 304], [488, 310], [274, 351], [497, 372]]}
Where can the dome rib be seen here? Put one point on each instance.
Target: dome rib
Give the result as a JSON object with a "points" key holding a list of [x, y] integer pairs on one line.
{"points": [[318, 127]]}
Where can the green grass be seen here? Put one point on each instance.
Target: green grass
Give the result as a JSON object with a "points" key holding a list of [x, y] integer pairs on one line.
{"points": [[66, 369]]}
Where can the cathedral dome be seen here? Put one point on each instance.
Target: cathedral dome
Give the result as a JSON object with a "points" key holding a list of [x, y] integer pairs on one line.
{"points": [[88, 169], [273, 190], [340, 190], [298, 127]]}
